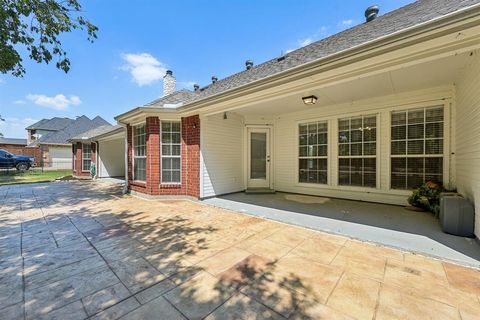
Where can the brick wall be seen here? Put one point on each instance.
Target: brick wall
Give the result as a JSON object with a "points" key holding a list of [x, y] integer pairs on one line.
{"points": [[190, 185]]}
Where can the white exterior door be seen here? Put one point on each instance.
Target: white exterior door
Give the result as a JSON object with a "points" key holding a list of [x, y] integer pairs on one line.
{"points": [[258, 158]]}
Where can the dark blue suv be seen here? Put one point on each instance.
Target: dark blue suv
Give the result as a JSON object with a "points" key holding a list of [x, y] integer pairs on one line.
{"points": [[8, 161]]}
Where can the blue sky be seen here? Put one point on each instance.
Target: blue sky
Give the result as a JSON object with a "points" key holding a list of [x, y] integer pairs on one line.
{"points": [[139, 40]]}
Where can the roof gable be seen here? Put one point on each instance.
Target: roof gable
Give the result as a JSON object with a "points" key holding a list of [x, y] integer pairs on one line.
{"points": [[78, 126]]}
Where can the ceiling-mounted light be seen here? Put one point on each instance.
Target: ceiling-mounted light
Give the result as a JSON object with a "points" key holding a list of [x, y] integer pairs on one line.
{"points": [[309, 100]]}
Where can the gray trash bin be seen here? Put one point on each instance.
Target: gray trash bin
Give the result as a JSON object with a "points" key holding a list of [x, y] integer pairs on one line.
{"points": [[457, 215]]}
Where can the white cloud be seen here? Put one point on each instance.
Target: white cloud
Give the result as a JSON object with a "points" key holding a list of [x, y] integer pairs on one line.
{"points": [[19, 102], [58, 102], [321, 33], [186, 84], [305, 42], [143, 67], [15, 127], [346, 23]]}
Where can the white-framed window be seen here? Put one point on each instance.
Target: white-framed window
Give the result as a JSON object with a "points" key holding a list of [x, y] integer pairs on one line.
{"points": [[139, 153], [86, 156], [313, 152], [171, 151], [74, 151], [357, 151], [416, 147]]}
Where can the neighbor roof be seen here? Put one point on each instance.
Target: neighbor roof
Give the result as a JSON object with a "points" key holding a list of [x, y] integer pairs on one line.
{"points": [[405, 17], [78, 126], [20, 142], [97, 132], [53, 124]]}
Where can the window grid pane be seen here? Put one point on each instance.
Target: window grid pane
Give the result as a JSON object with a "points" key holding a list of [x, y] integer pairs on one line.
{"points": [[139, 153], [357, 150], [171, 152], [416, 147], [313, 152], [86, 156]]}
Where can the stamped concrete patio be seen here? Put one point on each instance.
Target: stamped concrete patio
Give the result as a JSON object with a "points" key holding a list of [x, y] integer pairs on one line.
{"points": [[76, 250]]}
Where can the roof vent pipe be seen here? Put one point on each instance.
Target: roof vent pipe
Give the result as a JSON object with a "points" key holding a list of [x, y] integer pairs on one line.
{"points": [[196, 87], [214, 79], [249, 64], [371, 13]]}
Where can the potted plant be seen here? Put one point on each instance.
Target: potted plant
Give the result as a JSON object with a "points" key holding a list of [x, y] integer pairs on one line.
{"points": [[427, 197]]}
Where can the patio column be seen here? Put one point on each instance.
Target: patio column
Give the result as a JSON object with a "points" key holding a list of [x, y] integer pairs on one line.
{"points": [[191, 155], [78, 165], [153, 154]]}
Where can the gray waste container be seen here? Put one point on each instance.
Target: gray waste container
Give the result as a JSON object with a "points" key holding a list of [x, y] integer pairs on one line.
{"points": [[457, 215]]}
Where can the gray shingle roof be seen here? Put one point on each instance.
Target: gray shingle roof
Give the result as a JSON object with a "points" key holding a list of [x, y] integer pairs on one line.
{"points": [[21, 142], [78, 126], [53, 124], [99, 131], [408, 16], [174, 98]]}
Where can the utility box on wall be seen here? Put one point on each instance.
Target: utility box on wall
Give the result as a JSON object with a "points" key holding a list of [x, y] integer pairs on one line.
{"points": [[457, 215]]}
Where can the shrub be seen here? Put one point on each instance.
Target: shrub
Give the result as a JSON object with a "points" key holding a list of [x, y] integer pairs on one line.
{"points": [[427, 197]]}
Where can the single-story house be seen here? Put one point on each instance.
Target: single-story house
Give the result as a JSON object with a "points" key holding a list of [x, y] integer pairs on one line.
{"points": [[19, 147], [52, 135], [366, 114], [12, 143], [105, 147]]}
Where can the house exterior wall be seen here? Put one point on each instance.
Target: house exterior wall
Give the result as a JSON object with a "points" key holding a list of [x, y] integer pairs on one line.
{"points": [[222, 154], [286, 145], [467, 151], [190, 160], [111, 158], [77, 163], [59, 157]]}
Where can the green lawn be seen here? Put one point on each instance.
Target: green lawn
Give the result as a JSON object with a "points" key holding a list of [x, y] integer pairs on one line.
{"points": [[13, 177]]}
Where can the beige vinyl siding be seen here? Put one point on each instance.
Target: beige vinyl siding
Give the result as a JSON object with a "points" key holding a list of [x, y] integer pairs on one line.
{"points": [[468, 136], [222, 154], [60, 157], [286, 136]]}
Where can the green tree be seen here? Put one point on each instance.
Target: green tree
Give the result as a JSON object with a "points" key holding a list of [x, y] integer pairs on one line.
{"points": [[37, 26]]}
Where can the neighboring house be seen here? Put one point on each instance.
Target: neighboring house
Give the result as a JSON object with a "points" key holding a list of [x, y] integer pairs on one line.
{"points": [[12, 143], [19, 147], [45, 127], [366, 114], [105, 147], [56, 149]]}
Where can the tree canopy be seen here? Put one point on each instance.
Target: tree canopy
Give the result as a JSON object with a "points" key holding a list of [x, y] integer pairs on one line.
{"points": [[37, 26]]}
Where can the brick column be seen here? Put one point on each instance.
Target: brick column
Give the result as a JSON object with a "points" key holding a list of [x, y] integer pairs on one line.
{"points": [[93, 155], [78, 169], [191, 156], [153, 154]]}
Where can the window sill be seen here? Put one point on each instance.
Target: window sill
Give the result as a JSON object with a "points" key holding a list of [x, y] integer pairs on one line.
{"points": [[171, 185], [138, 183]]}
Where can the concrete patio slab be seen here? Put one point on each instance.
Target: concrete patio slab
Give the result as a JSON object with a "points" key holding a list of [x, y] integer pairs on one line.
{"points": [[92, 253], [383, 224]]}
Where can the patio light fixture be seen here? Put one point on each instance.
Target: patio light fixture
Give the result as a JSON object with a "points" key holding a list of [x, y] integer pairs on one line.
{"points": [[310, 100]]}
